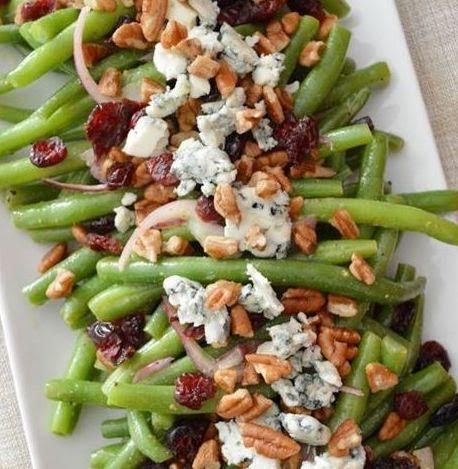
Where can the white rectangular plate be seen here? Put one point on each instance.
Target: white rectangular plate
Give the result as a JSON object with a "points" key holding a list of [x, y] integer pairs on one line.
{"points": [[39, 344]]}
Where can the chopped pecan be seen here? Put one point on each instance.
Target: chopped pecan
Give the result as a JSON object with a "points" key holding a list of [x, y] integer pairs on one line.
{"points": [[116, 154], [149, 245], [304, 237], [80, 234], [177, 139], [311, 169], [286, 100], [204, 67], [264, 46], [342, 306], [311, 53], [345, 368], [253, 94], [142, 209], [173, 33], [240, 322], [187, 114], [93, 53], [265, 185], [130, 36], [222, 293], [177, 246], [226, 79], [293, 462], [280, 176], [110, 82], [333, 348], [256, 238], [208, 456], [226, 379], [276, 35], [392, 426], [244, 168], [252, 149], [226, 203], [326, 25], [152, 18], [323, 414], [249, 376], [343, 222], [346, 437], [260, 405], [273, 105], [268, 442], [247, 119], [302, 300], [159, 193], [295, 207], [270, 367], [149, 88], [142, 177], [62, 285], [235, 404], [361, 270], [190, 47], [290, 22], [380, 377], [343, 334], [56, 254], [220, 247], [272, 159]]}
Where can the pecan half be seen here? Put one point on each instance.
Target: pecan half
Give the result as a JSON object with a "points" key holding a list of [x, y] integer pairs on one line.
{"points": [[260, 405], [226, 203], [220, 247], [130, 36], [226, 79], [343, 222], [204, 67], [235, 404], [240, 322], [342, 306], [222, 293], [346, 437], [270, 367], [361, 270], [56, 254], [273, 105], [208, 456], [392, 426], [62, 285], [302, 300], [304, 237], [380, 377], [226, 379], [152, 18]]}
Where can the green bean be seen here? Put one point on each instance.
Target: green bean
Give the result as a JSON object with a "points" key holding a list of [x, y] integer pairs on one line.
{"points": [[375, 75], [144, 438], [137, 74], [81, 366], [393, 354], [311, 188], [444, 446], [161, 422], [77, 391], [29, 194], [452, 460], [129, 457], [345, 138], [77, 133], [22, 171], [248, 29], [9, 34], [337, 7], [414, 334], [345, 173], [118, 301], [306, 31], [388, 215], [348, 405], [81, 263], [434, 400], [83, 176], [431, 201], [75, 312], [282, 273], [428, 437], [181, 230], [395, 142], [115, 428], [349, 66], [343, 113], [51, 235], [13, 114], [158, 323], [369, 324], [101, 457], [321, 80]]}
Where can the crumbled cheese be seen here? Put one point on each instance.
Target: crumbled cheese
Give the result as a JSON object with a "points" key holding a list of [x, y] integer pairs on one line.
{"points": [[212, 107], [207, 10], [288, 338], [268, 69], [306, 429], [270, 418], [179, 11], [194, 163], [260, 297], [148, 138], [289, 394], [169, 62], [262, 133], [165, 104], [124, 218], [311, 355], [328, 373], [292, 87], [262, 462], [236, 99], [252, 40], [129, 198], [207, 38], [216, 327], [237, 52], [355, 460], [199, 86], [314, 392], [270, 215]]}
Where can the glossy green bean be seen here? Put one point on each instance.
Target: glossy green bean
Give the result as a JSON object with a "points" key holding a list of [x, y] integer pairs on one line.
{"points": [[337, 7], [248, 29], [129, 457], [161, 422], [431, 201], [158, 323], [29, 194], [13, 114], [444, 446], [414, 335], [349, 66], [393, 354], [51, 235], [311, 188], [9, 34], [395, 142], [452, 460], [115, 428], [345, 138], [77, 391], [101, 457], [428, 437]]}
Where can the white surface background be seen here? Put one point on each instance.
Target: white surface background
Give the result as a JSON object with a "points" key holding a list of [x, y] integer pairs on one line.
{"points": [[39, 344]]}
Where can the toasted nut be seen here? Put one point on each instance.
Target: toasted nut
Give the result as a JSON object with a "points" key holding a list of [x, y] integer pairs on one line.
{"points": [[142, 209], [322, 414], [333, 350], [93, 53], [226, 203], [260, 405], [298, 410], [247, 119], [264, 46], [290, 22], [295, 207], [272, 159], [380, 377], [159, 193], [177, 139], [204, 67], [352, 351], [149, 245], [62, 285], [253, 94], [240, 322], [361, 270], [152, 18], [177, 246], [249, 376], [80, 234], [226, 379], [110, 83], [311, 53], [187, 115], [311, 169], [226, 79], [252, 149], [302, 300], [173, 33], [326, 25], [208, 456], [322, 319], [392, 426], [304, 237], [268, 442], [270, 367], [286, 100], [293, 462], [220, 247], [344, 369], [222, 293], [149, 88], [130, 36], [342, 334], [101, 5], [56, 254], [190, 47], [235, 404], [244, 168], [276, 35], [343, 222], [280, 176], [116, 154], [342, 306], [346, 437], [256, 238], [142, 177], [267, 186], [273, 105]]}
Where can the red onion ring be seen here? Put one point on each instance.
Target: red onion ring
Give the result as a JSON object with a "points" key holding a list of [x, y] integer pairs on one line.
{"points": [[151, 368], [78, 187]]}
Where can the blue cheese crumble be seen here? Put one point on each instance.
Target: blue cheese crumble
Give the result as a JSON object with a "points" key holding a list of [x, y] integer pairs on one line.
{"points": [[268, 69], [148, 138], [306, 429], [207, 10], [165, 104], [181, 12], [208, 39], [355, 460], [169, 62], [263, 134], [194, 163], [124, 218]]}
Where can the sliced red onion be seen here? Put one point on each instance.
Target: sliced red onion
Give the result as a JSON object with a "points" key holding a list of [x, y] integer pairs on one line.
{"points": [[78, 187], [231, 359], [174, 213], [353, 391], [83, 73], [151, 368]]}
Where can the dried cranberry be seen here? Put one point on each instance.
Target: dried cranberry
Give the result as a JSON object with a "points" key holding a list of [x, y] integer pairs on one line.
{"points": [[185, 438], [193, 389], [404, 461], [31, 11], [365, 120], [149, 464], [159, 169], [308, 7], [214, 94], [235, 144], [410, 405], [402, 317], [431, 352], [446, 414], [195, 332], [108, 124], [120, 174], [118, 340], [205, 208], [49, 152], [297, 137], [102, 225], [104, 243], [247, 11]]}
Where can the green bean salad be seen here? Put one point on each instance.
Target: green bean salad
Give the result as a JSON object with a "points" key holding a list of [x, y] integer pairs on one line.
{"points": [[221, 229]]}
